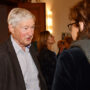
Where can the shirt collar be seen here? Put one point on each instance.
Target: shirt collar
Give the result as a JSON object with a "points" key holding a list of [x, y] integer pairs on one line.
{"points": [[17, 47]]}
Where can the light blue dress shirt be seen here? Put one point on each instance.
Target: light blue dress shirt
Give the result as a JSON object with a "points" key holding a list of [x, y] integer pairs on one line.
{"points": [[28, 67]]}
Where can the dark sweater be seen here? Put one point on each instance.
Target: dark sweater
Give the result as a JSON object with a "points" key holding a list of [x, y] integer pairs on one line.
{"points": [[47, 61]]}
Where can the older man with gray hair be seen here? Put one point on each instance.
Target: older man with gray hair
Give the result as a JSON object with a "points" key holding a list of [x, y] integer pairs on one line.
{"points": [[19, 67]]}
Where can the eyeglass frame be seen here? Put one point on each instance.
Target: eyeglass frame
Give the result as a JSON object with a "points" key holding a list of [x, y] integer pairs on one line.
{"points": [[71, 25]]}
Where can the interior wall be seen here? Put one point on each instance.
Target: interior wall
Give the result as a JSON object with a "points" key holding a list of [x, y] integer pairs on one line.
{"points": [[3, 26], [60, 11]]}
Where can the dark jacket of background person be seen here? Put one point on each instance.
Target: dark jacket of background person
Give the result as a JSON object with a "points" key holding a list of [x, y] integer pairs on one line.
{"points": [[73, 69], [11, 77], [47, 61]]}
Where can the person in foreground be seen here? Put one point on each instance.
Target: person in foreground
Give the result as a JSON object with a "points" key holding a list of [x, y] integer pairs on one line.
{"points": [[19, 68], [73, 65], [47, 57]]}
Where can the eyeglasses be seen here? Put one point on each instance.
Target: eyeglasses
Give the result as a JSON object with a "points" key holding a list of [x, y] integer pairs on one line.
{"points": [[70, 25]]}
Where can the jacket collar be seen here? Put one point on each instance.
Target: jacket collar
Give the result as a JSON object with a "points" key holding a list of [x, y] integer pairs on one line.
{"points": [[84, 45]]}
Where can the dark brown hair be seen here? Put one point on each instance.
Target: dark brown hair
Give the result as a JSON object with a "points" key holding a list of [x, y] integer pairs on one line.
{"points": [[68, 39], [81, 12], [42, 41]]}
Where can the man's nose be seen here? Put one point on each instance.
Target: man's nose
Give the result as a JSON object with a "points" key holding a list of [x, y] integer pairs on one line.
{"points": [[30, 32]]}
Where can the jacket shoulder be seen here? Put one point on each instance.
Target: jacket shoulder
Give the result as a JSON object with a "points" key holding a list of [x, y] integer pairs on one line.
{"points": [[73, 55], [76, 51], [3, 47]]}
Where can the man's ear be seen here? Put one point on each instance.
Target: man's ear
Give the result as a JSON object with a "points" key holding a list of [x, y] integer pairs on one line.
{"points": [[11, 28], [81, 24]]}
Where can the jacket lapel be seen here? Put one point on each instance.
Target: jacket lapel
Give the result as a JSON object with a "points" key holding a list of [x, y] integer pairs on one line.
{"points": [[16, 66], [34, 56]]}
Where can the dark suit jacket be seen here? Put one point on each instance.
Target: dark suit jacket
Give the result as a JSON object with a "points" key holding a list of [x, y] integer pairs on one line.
{"points": [[11, 77], [72, 71]]}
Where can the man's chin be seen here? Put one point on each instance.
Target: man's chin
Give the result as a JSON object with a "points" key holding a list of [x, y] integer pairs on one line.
{"points": [[27, 44]]}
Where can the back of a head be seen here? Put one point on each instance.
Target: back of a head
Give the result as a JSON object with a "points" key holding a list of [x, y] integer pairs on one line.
{"points": [[61, 43], [68, 39], [16, 15], [81, 13]]}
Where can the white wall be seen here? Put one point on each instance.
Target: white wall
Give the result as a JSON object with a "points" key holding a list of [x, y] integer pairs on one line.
{"points": [[60, 10]]}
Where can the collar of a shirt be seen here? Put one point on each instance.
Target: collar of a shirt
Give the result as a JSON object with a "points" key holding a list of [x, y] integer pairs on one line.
{"points": [[17, 47]]}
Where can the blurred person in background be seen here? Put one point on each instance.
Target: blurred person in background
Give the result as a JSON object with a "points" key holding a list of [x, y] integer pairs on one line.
{"points": [[61, 46], [47, 57], [73, 65], [64, 44], [69, 41]]}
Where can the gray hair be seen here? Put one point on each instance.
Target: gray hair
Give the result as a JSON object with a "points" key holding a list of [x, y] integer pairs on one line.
{"points": [[18, 14]]}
